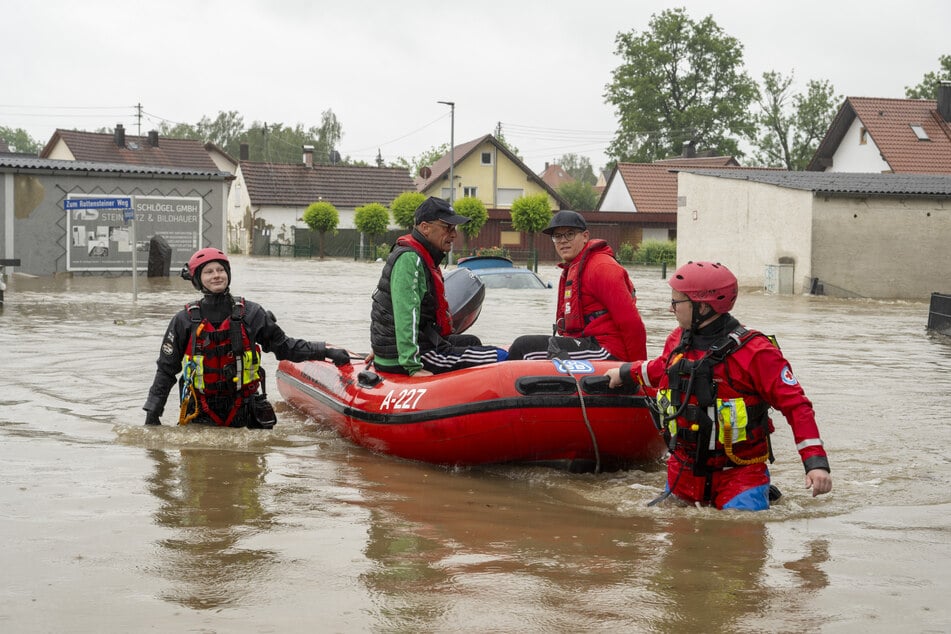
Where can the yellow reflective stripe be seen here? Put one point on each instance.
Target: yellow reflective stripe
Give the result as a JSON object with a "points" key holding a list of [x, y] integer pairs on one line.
{"points": [[732, 413], [249, 367]]}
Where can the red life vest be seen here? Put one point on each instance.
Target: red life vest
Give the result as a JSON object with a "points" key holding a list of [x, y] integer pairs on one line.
{"points": [[443, 316], [222, 362], [573, 320]]}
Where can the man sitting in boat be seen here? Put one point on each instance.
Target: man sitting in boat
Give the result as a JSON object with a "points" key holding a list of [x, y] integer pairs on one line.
{"points": [[216, 344], [716, 382], [411, 325], [597, 315]]}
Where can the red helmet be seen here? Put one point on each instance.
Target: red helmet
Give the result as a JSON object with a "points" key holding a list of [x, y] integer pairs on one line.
{"points": [[708, 282], [200, 259]]}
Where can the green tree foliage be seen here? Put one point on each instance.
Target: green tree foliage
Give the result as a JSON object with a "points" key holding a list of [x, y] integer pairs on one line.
{"points": [[424, 159], [267, 142], [578, 167], [579, 195], [680, 82], [473, 209], [928, 87], [373, 220], [790, 127], [322, 217], [531, 214], [20, 140], [404, 207]]}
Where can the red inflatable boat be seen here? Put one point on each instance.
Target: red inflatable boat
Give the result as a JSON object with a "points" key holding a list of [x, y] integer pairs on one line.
{"points": [[555, 413]]}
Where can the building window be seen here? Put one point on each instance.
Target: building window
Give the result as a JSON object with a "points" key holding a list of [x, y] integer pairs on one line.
{"points": [[487, 158], [863, 136], [471, 192], [920, 132]]}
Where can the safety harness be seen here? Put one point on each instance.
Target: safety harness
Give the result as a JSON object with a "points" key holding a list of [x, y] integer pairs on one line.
{"points": [[714, 424], [220, 363]]}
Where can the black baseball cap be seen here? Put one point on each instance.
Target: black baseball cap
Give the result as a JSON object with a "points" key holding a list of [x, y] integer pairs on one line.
{"points": [[566, 218], [437, 209]]}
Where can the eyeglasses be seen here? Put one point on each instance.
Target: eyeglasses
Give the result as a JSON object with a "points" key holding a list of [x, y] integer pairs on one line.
{"points": [[674, 302], [567, 236], [445, 225]]}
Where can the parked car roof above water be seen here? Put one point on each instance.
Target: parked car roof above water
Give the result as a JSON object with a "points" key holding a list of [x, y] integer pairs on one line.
{"points": [[500, 272]]}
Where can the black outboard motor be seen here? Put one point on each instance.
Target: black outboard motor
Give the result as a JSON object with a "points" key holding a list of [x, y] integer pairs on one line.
{"points": [[464, 293]]}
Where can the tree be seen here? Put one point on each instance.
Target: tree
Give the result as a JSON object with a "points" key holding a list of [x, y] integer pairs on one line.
{"points": [[791, 128], [473, 209], [531, 214], [424, 159], [578, 167], [404, 208], [928, 88], [322, 217], [20, 140], [372, 220], [681, 82], [225, 131], [580, 196]]}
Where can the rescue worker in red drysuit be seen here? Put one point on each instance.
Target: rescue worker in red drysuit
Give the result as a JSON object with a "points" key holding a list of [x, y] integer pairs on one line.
{"points": [[216, 344], [716, 382], [597, 316]]}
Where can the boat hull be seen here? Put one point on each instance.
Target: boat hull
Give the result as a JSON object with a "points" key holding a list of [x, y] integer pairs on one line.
{"points": [[515, 411]]}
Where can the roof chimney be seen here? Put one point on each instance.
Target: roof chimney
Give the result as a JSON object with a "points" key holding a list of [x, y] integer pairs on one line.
{"points": [[243, 152], [153, 138], [690, 150], [119, 136], [308, 155], [944, 100]]}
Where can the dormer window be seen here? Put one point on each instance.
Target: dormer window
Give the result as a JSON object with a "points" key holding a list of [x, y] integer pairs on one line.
{"points": [[919, 132]]}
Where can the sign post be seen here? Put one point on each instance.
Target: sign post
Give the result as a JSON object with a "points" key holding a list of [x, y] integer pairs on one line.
{"points": [[128, 215]]}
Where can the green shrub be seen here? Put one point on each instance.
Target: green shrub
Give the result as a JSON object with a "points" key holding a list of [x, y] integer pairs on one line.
{"points": [[383, 251], [493, 251], [656, 252], [626, 252]]}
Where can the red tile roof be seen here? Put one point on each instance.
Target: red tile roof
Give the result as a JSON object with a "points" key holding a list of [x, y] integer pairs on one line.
{"points": [[888, 123], [344, 186], [653, 186], [556, 176], [101, 148]]}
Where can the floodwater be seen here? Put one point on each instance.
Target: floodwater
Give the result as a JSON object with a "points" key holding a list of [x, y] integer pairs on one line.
{"points": [[111, 526]]}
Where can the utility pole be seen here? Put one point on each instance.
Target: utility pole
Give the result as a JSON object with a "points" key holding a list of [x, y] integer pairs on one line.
{"points": [[138, 116], [452, 148]]}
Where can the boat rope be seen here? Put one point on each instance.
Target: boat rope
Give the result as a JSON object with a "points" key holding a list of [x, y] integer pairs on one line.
{"points": [[587, 422]]}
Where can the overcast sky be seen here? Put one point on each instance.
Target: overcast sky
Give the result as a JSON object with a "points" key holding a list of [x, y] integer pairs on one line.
{"points": [[538, 67]]}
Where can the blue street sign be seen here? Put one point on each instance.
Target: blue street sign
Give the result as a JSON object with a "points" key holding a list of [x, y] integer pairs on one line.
{"points": [[128, 214], [116, 202]]}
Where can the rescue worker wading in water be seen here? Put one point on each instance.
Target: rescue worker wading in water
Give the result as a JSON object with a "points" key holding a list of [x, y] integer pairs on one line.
{"points": [[716, 381], [216, 344]]}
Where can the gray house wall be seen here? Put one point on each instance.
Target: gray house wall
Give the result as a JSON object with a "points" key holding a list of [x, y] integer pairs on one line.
{"points": [[882, 247], [33, 221], [848, 245]]}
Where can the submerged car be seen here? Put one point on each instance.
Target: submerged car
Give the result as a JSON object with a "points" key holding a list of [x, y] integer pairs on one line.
{"points": [[500, 272]]}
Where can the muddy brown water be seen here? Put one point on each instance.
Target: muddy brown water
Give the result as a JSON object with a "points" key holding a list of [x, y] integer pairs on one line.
{"points": [[111, 526]]}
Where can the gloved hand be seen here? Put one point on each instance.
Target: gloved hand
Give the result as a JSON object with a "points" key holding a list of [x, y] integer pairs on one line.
{"points": [[338, 356], [151, 418]]}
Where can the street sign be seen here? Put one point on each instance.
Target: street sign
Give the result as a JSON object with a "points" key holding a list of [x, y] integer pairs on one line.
{"points": [[128, 214], [116, 202]]}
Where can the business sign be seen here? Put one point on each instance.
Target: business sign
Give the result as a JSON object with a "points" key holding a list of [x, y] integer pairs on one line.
{"points": [[101, 240]]}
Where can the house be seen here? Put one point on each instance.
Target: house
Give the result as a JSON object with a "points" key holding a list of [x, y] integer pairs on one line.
{"points": [[53, 220], [843, 234], [119, 148], [269, 199], [643, 196], [900, 136], [485, 169], [555, 176]]}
